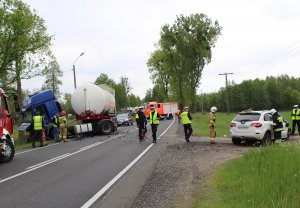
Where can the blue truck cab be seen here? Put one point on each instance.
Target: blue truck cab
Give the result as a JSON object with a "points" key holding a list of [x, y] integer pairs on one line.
{"points": [[44, 102]]}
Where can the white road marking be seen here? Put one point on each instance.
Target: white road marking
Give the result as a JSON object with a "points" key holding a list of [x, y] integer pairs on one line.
{"points": [[19, 153], [91, 201], [37, 166]]}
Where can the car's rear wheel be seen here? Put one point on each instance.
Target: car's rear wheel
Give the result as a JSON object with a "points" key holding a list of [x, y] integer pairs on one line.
{"points": [[236, 140], [267, 139]]}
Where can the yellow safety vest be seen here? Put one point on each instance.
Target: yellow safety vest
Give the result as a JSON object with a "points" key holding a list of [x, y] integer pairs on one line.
{"points": [[154, 120], [185, 118], [298, 115], [55, 121], [37, 122], [62, 122]]}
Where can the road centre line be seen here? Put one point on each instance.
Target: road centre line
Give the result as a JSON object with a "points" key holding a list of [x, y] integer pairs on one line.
{"points": [[32, 168], [91, 201]]}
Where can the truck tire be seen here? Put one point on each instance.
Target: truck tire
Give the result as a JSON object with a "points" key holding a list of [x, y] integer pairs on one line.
{"points": [[236, 140], [106, 127], [266, 139], [8, 154]]}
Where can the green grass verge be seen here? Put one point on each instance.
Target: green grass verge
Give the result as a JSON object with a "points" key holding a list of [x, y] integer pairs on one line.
{"points": [[200, 123], [263, 177]]}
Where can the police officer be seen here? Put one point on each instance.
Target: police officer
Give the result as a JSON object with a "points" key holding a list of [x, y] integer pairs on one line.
{"points": [[141, 122], [154, 121], [212, 124], [277, 124], [55, 120], [63, 125], [38, 125], [187, 123], [296, 119]]}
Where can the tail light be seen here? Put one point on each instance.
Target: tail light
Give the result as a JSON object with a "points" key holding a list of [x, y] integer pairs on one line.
{"points": [[257, 125], [233, 125]]}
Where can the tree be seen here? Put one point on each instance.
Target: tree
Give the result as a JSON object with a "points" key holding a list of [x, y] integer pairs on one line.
{"points": [[24, 43], [103, 79], [184, 49], [53, 75]]}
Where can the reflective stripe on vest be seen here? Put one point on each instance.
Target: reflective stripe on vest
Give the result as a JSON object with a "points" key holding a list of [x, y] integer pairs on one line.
{"points": [[154, 120], [37, 122], [185, 119]]}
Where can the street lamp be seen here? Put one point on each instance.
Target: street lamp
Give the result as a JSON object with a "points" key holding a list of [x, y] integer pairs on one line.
{"points": [[74, 68]]}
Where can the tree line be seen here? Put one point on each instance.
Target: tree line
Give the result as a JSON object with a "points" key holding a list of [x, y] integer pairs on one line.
{"points": [[281, 93]]}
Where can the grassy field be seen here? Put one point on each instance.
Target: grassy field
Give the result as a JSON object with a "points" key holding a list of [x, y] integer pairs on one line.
{"points": [[263, 177], [200, 123]]}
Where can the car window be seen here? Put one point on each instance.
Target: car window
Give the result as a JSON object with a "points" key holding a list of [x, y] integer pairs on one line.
{"points": [[122, 115], [247, 117], [268, 117]]}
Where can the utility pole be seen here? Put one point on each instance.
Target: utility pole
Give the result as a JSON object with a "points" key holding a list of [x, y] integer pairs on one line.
{"points": [[226, 92], [202, 98]]}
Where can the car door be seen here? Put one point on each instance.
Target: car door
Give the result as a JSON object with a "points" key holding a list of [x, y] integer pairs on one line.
{"points": [[268, 123]]}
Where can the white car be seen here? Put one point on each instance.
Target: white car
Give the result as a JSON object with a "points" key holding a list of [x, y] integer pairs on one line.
{"points": [[256, 126]]}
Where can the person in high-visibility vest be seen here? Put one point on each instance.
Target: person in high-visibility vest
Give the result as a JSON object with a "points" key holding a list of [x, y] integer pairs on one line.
{"points": [[154, 121], [38, 125], [295, 119], [141, 122], [277, 124], [187, 123], [63, 131], [55, 121], [212, 124]]}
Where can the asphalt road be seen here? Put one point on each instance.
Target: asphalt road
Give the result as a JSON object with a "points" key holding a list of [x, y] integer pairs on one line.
{"points": [[71, 174]]}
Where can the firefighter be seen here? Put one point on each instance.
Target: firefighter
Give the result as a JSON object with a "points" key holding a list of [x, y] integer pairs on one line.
{"points": [[296, 119], [141, 122], [212, 124], [38, 125], [187, 123], [154, 121], [63, 131], [55, 120], [277, 124]]}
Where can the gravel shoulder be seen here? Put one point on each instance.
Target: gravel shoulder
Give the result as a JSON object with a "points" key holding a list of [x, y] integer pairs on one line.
{"points": [[172, 171]]}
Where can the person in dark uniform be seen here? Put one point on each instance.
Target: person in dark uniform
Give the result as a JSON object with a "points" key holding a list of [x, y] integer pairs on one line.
{"points": [[38, 125], [154, 121], [141, 122], [277, 124], [187, 123]]}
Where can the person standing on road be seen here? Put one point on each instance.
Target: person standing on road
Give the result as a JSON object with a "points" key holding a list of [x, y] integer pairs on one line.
{"points": [[38, 124], [187, 123], [212, 124], [154, 121], [296, 119], [55, 120], [179, 116], [277, 124], [63, 125], [141, 122]]}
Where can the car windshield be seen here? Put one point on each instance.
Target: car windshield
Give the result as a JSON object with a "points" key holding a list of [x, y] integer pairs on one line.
{"points": [[247, 117], [123, 115]]}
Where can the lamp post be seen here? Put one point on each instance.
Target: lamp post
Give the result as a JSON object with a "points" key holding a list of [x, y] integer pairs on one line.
{"points": [[74, 68]]}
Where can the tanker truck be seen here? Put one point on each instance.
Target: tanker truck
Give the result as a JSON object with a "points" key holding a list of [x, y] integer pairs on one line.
{"points": [[95, 105]]}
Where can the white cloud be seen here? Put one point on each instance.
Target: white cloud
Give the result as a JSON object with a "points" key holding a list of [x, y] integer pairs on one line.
{"points": [[119, 36]]}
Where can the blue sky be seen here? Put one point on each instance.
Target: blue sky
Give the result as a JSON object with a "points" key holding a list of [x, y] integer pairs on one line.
{"points": [[259, 38]]}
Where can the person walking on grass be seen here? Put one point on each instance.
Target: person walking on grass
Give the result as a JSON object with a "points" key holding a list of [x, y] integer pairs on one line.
{"points": [[187, 123], [212, 124]]}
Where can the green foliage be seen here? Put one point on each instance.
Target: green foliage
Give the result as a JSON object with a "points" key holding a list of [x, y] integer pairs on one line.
{"points": [[280, 92], [264, 177], [183, 50]]}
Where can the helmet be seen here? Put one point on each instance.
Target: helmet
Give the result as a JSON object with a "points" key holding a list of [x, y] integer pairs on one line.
{"points": [[141, 107], [186, 108], [272, 111], [63, 113], [295, 106], [213, 109], [152, 107]]}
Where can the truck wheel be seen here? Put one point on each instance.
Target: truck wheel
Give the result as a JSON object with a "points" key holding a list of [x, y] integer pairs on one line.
{"points": [[267, 139], [236, 140], [106, 127], [8, 154]]}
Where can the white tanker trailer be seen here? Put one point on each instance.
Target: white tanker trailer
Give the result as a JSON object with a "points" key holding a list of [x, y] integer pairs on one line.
{"points": [[96, 105]]}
